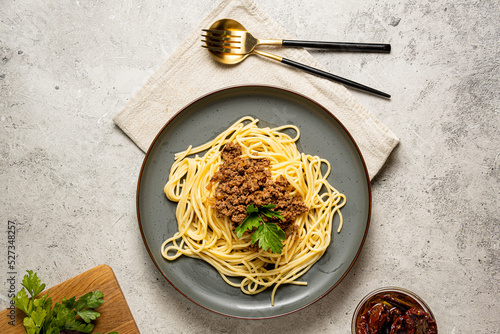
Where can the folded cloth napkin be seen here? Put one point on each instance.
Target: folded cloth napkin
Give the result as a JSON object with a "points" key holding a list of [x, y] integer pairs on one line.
{"points": [[190, 73]]}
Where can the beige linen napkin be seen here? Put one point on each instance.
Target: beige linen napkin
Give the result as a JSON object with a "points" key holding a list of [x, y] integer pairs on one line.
{"points": [[190, 73]]}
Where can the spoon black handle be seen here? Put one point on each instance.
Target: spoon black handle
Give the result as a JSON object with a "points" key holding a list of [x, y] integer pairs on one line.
{"points": [[334, 77], [339, 46]]}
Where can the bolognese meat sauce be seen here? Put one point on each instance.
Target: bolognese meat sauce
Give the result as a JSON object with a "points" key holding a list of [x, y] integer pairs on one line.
{"points": [[245, 181]]}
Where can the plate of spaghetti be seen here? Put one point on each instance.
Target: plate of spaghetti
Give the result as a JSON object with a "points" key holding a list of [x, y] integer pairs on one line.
{"points": [[254, 201]]}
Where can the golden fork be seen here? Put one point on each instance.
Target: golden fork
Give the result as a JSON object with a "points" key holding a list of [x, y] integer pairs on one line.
{"points": [[241, 41]]}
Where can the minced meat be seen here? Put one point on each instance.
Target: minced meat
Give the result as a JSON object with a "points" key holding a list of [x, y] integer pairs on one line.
{"points": [[245, 181]]}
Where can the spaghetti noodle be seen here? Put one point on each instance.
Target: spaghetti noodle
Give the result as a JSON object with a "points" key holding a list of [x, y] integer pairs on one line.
{"points": [[205, 235]]}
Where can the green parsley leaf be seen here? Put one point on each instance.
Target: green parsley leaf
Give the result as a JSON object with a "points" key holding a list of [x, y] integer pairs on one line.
{"points": [[269, 236], [60, 316], [30, 326], [69, 303], [251, 221], [38, 316], [266, 211], [96, 299], [252, 208], [32, 283], [76, 325], [22, 301], [90, 299], [88, 315], [43, 303]]}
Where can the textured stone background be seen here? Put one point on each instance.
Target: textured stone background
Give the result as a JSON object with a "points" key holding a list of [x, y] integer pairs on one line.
{"points": [[68, 174]]}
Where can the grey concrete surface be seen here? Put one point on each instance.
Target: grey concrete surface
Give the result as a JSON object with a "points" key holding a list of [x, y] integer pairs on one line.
{"points": [[68, 175]]}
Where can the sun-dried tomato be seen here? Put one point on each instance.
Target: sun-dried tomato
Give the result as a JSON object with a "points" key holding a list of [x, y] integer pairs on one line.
{"points": [[388, 314]]}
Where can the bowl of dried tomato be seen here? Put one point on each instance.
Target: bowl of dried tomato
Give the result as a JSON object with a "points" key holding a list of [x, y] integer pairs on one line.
{"points": [[393, 310]]}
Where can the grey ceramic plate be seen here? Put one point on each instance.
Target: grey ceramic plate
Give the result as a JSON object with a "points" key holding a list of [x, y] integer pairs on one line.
{"points": [[321, 134]]}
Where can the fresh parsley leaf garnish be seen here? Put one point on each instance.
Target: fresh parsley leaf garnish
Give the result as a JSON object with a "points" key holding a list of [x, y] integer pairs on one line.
{"points": [[266, 211], [268, 235], [42, 318], [251, 221], [252, 209]]}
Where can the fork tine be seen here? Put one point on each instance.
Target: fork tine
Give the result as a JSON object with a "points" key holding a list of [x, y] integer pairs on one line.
{"points": [[222, 50], [219, 38], [217, 43]]}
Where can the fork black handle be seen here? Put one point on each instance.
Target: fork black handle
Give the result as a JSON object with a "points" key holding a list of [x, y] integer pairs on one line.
{"points": [[334, 77], [339, 46]]}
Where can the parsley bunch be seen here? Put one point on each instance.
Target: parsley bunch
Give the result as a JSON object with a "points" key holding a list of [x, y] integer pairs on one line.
{"points": [[269, 235], [41, 318]]}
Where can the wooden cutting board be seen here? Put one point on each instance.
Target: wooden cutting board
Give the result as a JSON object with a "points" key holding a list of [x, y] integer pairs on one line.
{"points": [[115, 313]]}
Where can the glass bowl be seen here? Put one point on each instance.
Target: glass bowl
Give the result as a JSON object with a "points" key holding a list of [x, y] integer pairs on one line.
{"points": [[402, 296]]}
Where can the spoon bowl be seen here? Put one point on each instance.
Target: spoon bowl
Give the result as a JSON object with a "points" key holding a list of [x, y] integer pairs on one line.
{"points": [[224, 58]]}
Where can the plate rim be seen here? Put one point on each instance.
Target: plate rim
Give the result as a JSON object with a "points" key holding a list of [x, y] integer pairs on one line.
{"points": [[251, 86]]}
